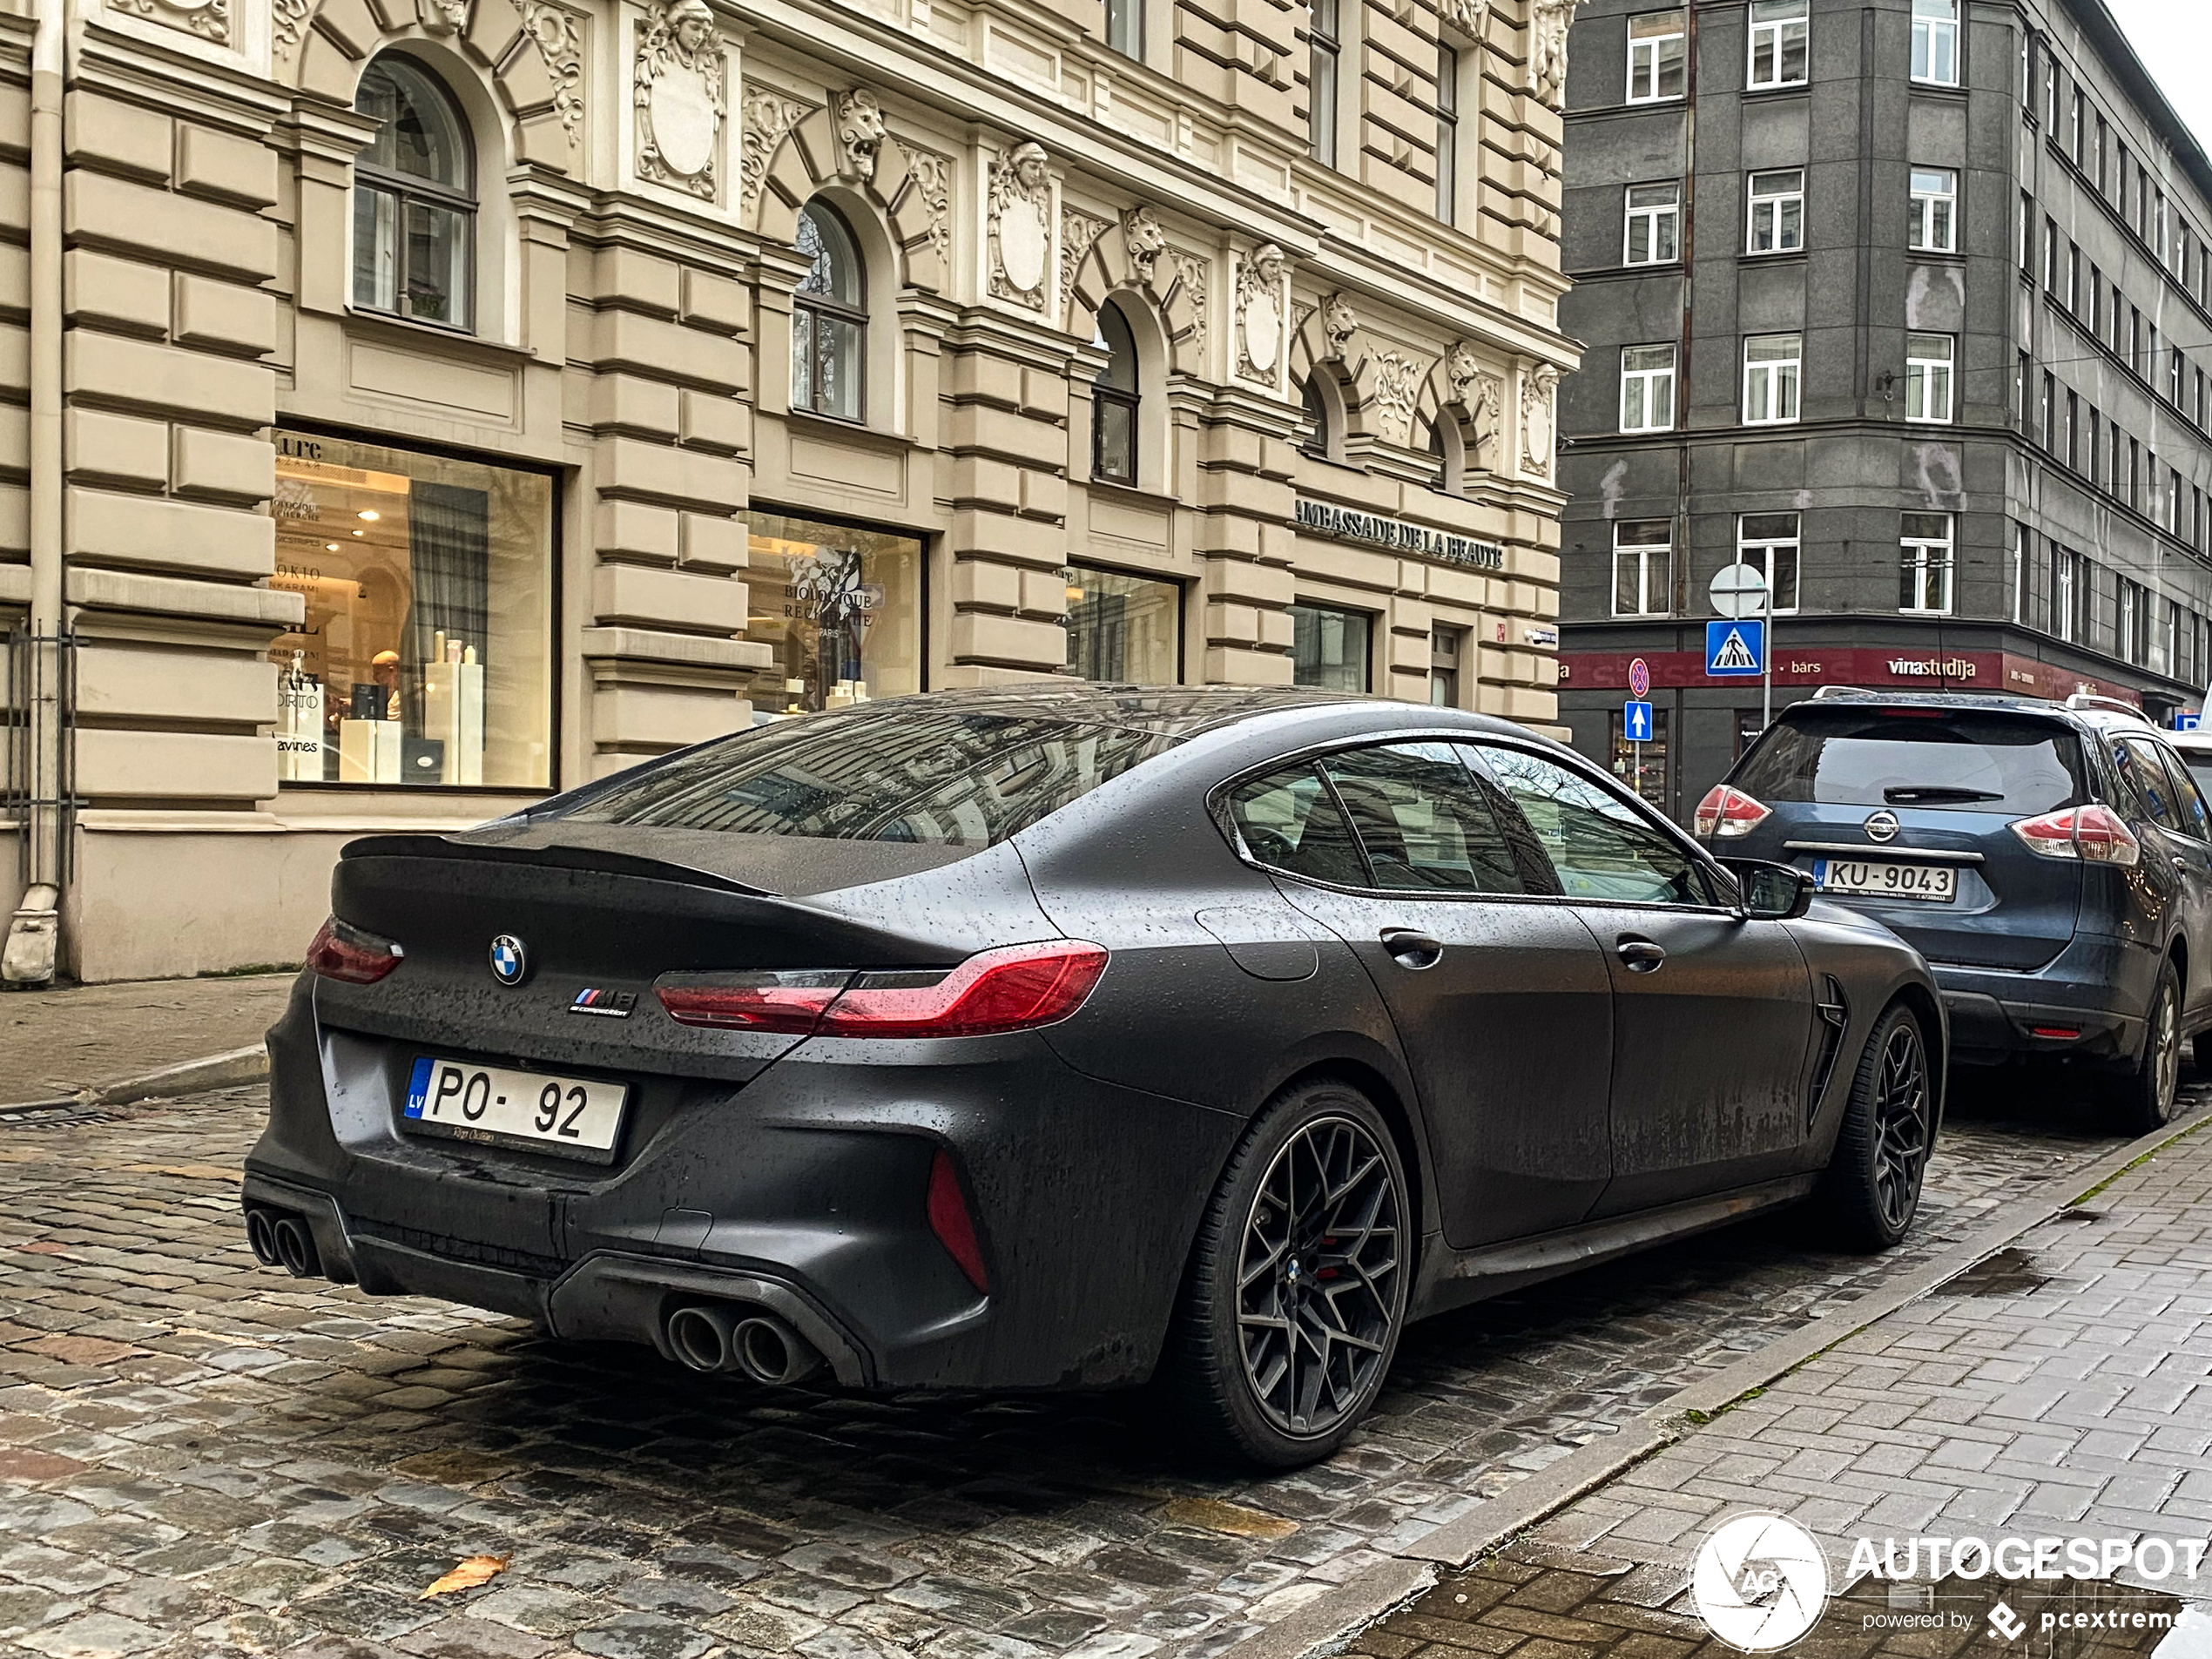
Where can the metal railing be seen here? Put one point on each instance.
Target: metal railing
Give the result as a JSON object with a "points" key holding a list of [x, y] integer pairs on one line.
{"points": [[41, 713]]}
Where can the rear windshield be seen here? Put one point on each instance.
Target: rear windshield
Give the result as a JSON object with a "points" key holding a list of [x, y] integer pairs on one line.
{"points": [[1963, 761], [902, 772]]}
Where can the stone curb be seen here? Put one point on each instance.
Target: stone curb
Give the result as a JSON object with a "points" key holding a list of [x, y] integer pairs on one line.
{"points": [[228, 1070], [1337, 1615]]}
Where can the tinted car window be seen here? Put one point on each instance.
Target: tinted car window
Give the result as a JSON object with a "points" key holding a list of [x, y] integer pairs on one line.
{"points": [[1965, 759], [2196, 817], [2142, 775], [1289, 821], [1418, 816], [907, 771], [1599, 846]]}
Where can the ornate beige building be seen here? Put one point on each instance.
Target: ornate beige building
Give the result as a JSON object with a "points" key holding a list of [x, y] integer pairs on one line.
{"points": [[415, 406]]}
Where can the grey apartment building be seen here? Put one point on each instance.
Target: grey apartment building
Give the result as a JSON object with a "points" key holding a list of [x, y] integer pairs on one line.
{"points": [[1904, 302]]}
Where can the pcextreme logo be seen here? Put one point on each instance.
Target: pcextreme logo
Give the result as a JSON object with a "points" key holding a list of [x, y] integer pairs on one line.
{"points": [[1760, 1583]]}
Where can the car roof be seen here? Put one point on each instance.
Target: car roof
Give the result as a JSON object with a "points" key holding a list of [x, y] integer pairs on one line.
{"points": [[1174, 710], [2102, 715]]}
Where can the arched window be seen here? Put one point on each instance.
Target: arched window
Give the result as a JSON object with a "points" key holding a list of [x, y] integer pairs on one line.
{"points": [[1315, 432], [829, 319], [414, 197], [1113, 400]]}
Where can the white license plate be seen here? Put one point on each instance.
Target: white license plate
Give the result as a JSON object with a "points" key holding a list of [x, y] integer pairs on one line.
{"points": [[569, 1117], [1880, 879]]}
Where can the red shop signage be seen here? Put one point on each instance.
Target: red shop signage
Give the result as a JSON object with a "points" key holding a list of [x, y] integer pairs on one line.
{"points": [[1869, 667]]}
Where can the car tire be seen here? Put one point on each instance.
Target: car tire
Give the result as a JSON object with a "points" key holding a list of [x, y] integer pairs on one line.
{"points": [[1310, 1226], [2142, 1100], [1872, 1185]]}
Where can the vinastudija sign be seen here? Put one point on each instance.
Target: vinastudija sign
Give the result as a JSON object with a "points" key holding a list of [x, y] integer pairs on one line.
{"points": [[1396, 533]]}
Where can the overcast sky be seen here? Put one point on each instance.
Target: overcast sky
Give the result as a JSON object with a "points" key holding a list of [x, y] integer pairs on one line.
{"points": [[2174, 38]]}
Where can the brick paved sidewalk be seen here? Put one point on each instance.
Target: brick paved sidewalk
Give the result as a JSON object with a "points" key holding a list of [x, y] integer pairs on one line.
{"points": [[2059, 1389], [53, 1043]]}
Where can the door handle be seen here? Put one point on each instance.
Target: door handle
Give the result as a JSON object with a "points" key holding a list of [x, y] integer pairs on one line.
{"points": [[1413, 950], [1642, 955], [2181, 863]]}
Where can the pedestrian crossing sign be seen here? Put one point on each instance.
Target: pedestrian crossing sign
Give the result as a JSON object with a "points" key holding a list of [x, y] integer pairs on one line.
{"points": [[1734, 647]]}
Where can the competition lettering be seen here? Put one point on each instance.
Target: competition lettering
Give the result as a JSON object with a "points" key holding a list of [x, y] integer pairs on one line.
{"points": [[1395, 532]]}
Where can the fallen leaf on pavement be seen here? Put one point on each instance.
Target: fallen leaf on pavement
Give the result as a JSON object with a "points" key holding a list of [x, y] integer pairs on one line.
{"points": [[477, 1569], [1213, 1515]]}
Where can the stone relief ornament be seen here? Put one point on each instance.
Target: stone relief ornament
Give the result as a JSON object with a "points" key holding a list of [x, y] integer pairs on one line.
{"points": [[553, 30], [1147, 241], [1259, 314], [209, 20], [1078, 231], [766, 116], [1485, 413], [288, 23], [1547, 22], [442, 17], [1191, 276], [859, 132], [1398, 388], [1536, 388], [678, 91], [1338, 323], [1466, 15], [932, 180], [1461, 367], [1021, 225]]}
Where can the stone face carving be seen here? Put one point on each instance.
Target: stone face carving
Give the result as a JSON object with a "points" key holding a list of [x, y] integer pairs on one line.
{"points": [[1338, 323], [1485, 413], [1547, 24], [1259, 314], [932, 175], [1020, 226], [209, 20], [442, 17], [1147, 241], [1398, 388], [553, 30], [859, 132], [1468, 17], [767, 116], [1536, 388], [1078, 231], [677, 87]]}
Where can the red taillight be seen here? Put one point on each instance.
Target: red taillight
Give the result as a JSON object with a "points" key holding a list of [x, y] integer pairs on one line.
{"points": [[791, 1002], [1728, 812], [950, 1220], [2096, 833], [342, 951]]}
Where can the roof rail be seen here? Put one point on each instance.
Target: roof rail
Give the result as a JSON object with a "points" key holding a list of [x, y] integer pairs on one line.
{"points": [[2111, 705], [1840, 690]]}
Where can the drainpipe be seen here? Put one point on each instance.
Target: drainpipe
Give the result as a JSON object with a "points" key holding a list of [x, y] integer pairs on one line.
{"points": [[33, 936]]}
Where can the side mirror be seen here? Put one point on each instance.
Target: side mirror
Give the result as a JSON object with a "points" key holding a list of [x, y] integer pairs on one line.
{"points": [[1771, 892]]}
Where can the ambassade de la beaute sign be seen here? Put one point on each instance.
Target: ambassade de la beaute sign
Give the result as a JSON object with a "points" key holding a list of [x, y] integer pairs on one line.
{"points": [[1321, 518]]}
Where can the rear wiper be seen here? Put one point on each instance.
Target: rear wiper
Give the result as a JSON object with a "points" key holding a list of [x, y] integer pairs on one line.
{"points": [[1904, 794]]}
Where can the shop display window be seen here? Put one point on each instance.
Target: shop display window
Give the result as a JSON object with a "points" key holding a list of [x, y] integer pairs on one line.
{"points": [[841, 609], [1127, 629]]}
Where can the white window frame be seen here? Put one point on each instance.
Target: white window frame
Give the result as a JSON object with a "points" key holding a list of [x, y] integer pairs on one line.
{"points": [[1654, 217], [1763, 553], [1926, 570], [1930, 366], [1935, 209], [1781, 210], [1771, 25], [1647, 53], [1935, 42], [1647, 385], [1778, 379], [1654, 569]]}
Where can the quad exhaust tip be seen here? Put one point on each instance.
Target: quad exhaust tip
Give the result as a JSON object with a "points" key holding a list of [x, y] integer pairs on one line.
{"points": [[714, 1336]]}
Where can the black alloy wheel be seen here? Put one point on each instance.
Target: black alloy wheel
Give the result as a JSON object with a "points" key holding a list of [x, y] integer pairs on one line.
{"points": [[2143, 1099], [1881, 1157], [1298, 1284]]}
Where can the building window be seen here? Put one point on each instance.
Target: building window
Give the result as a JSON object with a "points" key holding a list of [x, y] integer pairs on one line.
{"points": [[2072, 279], [829, 321], [1925, 569], [2097, 306], [1927, 376], [2070, 594], [1124, 628], [1777, 211], [1331, 648], [1654, 226], [1771, 364], [1648, 388], [1658, 56], [2051, 257], [1447, 133], [1935, 210], [2050, 412], [2073, 431], [1323, 45], [1317, 433], [1446, 647], [2024, 254], [1113, 400], [840, 608], [1935, 42], [1642, 567], [426, 656], [414, 197], [2074, 131], [1126, 27], [1768, 542], [1778, 42], [1643, 766]]}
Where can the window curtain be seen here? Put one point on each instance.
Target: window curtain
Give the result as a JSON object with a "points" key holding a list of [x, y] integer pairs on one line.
{"points": [[448, 557]]}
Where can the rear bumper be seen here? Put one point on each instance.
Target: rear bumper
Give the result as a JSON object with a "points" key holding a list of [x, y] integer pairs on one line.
{"points": [[803, 1191], [2089, 1001]]}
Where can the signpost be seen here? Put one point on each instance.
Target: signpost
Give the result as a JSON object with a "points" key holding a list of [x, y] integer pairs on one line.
{"points": [[1743, 645]]}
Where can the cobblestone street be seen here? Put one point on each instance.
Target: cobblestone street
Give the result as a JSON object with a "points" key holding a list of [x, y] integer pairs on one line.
{"points": [[200, 1457]]}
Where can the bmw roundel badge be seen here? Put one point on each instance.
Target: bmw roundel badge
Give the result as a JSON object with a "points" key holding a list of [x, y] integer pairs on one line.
{"points": [[510, 965]]}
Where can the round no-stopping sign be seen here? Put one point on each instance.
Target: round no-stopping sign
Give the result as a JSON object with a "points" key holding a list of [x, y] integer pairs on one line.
{"points": [[1639, 679]]}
